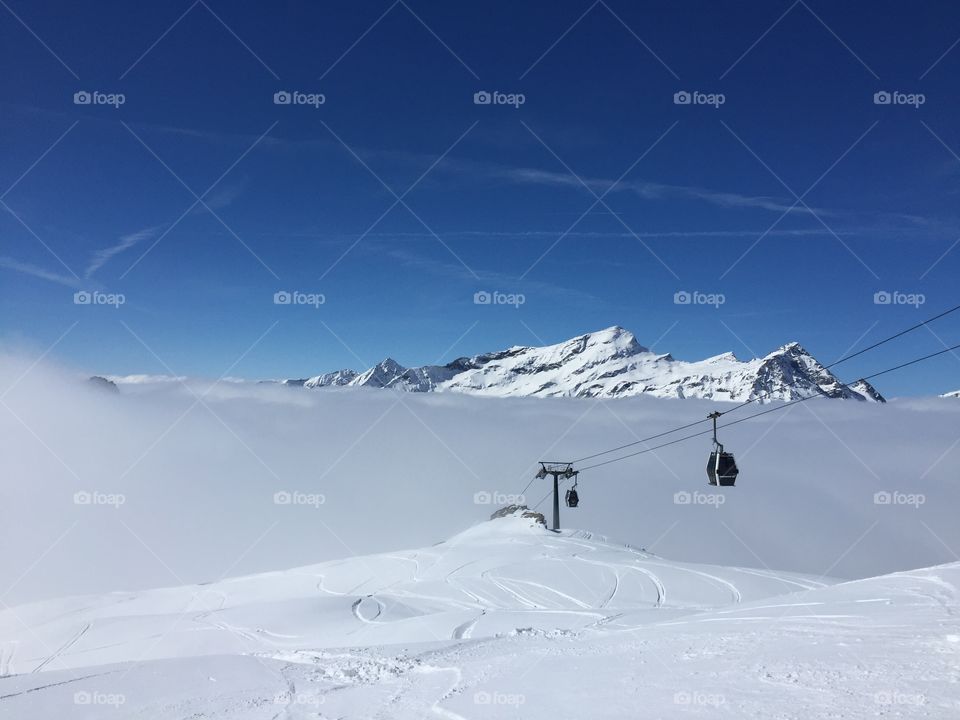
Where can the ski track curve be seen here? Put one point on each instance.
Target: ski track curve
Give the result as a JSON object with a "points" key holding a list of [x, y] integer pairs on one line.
{"points": [[357, 606], [613, 567], [810, 585], [734, 590], [531, 583], [522, 599], [655, 579], [436, 707], [449, 580], [465, 630]]}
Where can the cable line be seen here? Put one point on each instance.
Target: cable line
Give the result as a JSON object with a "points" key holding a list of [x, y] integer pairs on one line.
{"points": [[894, 337], [773, 409], [769, 393]]}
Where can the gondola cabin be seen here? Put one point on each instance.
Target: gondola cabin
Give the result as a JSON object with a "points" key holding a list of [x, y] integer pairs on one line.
{"points": [[722, 468]]}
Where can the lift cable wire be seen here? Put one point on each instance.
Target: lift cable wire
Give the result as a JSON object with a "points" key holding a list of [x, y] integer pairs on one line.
{"points": [[524, 491], [893, 337], [543, 499], [773, 409], [761, 396]]}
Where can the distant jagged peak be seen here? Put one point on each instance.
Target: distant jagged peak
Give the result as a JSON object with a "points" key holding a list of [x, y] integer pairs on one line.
{"points": [[791, 348], [614, 336], [867, 390], [335, 378], [722, 358], [383, 374], [390, 365]]}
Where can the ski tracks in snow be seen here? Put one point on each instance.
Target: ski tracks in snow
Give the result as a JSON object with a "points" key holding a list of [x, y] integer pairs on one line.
{"points": [[63, 648], [465, 630], [8, 650], [615, 568], [357, 609], [734, 590], [458, 678]]}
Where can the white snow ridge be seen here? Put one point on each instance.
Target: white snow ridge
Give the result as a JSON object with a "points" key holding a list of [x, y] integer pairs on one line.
{"points": [[506, 619], [611, 363]]}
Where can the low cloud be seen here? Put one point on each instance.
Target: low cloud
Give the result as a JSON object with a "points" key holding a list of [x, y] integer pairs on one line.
{"points": [[198, 480]]}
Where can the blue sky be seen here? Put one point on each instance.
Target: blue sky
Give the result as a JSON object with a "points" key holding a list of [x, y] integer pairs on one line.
{"points": [[797, 199]]}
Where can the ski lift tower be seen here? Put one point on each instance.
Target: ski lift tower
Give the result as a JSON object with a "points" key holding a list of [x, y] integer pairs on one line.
{"points": [[557, 470]]}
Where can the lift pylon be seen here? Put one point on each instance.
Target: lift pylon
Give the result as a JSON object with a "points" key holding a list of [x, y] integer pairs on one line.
{"points": [[557, 470]]}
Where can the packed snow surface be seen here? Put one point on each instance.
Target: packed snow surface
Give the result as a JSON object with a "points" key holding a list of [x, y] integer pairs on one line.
{"points": [[506, 619]]}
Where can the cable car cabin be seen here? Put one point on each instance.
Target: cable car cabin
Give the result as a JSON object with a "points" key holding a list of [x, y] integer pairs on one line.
{"points": [[573, 499], [722, 468]]}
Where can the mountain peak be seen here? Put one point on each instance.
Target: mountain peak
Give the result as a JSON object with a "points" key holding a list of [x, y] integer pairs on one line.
{"points": [[389, 363], [791, 348], [384, 374], [723, 357], [616, 336]]}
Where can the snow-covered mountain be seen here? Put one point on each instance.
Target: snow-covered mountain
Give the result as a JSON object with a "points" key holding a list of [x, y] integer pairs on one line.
{"points": [[610, 363]]}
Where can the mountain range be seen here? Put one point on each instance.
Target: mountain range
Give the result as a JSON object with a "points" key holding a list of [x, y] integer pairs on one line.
{"points": [[609, 363]]}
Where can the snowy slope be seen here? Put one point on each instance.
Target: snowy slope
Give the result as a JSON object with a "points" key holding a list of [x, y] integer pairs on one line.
{"points": [[611, 363], [504, 620], [503, 574]]}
